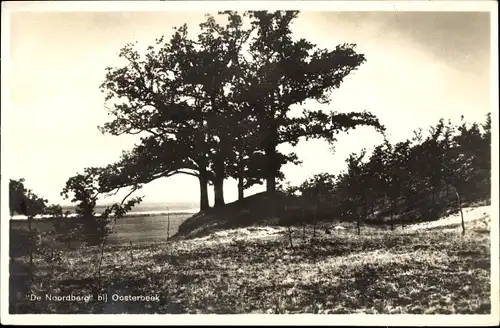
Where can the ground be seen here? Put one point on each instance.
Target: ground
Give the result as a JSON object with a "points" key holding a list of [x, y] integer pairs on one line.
{"points": [[425, 268]]}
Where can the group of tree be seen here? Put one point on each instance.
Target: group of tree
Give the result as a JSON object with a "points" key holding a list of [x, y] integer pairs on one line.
{"points": [[217, 106], [85, 189], [24, 201], [416, 178]]}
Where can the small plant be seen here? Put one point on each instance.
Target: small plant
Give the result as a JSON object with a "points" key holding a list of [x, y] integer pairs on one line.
{"points": [[24, 201], [290, 236], [92, 228], [54, 211]]}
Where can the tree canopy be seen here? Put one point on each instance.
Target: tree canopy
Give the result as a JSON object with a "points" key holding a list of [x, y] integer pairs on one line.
{"points": [[24, 201], [218, 105], [413, 179]]}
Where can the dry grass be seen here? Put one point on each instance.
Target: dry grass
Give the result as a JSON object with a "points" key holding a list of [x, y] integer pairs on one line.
{"points": [[254, 270]]}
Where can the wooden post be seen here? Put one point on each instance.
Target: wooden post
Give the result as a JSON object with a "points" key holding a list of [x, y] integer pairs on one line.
{"points": [[168, 224]]}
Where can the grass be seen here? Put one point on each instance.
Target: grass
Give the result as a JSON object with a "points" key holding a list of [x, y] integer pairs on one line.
{"points": [[138, 229], [254, 270]]}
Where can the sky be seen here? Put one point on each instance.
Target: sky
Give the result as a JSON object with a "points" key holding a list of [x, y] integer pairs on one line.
{"points": [[420, 66]]}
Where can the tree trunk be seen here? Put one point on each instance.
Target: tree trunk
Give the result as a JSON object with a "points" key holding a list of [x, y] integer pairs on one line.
{"points": [[270, 170], [204, 205], [271, 160], [219, 182], [365, 207], [240, 188], [241, 179], [219, 192]]}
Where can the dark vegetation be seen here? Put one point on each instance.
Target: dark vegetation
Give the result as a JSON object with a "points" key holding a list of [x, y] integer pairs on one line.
{"points": [[412, 181], [217, 107]]}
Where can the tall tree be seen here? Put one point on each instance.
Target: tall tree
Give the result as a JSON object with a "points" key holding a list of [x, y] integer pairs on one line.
{"points": [[151, 98], [205, 88], [182, 92], [216, 74], [286, 72]]}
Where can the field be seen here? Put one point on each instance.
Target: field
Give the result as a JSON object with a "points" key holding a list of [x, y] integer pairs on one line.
{"points": [[135, 229], [140, 230], [419, 269]]}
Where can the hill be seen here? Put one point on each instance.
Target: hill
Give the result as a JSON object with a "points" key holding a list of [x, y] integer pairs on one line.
{"points": [[264, 208], [281, 209]]}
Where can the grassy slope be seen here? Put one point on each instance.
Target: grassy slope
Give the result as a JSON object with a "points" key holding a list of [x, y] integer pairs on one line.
{"points": [[280, 209], [259, 209], [417, 270]]}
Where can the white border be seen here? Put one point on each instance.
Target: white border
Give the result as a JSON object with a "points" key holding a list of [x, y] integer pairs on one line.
{"points": [[211, 6]]}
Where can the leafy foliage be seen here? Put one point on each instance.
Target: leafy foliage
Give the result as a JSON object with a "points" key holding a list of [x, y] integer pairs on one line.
{"points": [[413, 179], [218, 105], [86, 189], [55, 211], [24, 201]]}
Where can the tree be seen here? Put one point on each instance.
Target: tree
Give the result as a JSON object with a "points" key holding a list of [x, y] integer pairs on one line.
{"points": [[318, 191], [471, 164], [147, 101], [24, 201], [86, 189], [178, 94], [401, 178], [285, 72], [357, 181], [195, 93], [217, 73], [17, 192], [54, 211]]}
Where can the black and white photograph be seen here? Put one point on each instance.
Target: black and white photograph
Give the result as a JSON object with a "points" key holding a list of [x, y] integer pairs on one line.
{"points": [[293, 157]]}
